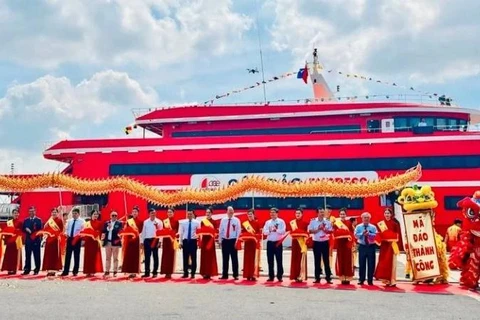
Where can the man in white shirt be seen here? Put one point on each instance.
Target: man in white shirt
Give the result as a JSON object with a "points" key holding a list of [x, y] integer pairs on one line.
{"points": [[229, 232], [321, 229], [188, 236], [74, 226], [274, 229], [150, 242]]}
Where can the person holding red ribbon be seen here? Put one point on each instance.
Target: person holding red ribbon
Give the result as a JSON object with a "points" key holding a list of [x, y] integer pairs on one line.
{"points": [[74, 226], [33, 242], [208, 255], [251, 237], [52, 258], [12, 236], [275, 230], [387, 238], [91, 234], [229, 232], [344, 242], [131, 244], [299, 231], [169, 244], [112, 242], [150, 242]]}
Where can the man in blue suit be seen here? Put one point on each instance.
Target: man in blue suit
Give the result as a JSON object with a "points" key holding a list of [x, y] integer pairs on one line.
{"points": [[32, 243]]}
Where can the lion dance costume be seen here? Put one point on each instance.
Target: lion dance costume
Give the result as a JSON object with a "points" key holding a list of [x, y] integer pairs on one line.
{"points": [[465, 255], [416, 198]]}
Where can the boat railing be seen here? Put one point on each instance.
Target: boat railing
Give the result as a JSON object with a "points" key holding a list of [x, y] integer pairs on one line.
{"points": [[399, 98]]}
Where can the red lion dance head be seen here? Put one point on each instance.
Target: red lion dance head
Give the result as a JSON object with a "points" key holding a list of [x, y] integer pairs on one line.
{"points": [[471, 211], [465, 255]]}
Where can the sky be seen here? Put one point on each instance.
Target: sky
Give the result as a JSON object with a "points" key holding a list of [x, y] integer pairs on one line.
{"points": [[75, 69]]}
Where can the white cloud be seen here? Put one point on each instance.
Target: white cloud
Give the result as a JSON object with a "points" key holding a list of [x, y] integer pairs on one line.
{"points": [[48, 33], [51, 108], [412, 39]]}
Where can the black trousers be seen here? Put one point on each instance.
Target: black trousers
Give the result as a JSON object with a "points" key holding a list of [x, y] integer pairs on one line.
{"points": [[76, 256], [229, 251], [32, 246], [366, 255], [149, 251], [189, 251], [321, 252], [274, 252]]}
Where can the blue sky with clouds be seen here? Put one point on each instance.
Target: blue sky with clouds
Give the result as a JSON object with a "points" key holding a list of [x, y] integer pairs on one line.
{"points": [[75, 68]]}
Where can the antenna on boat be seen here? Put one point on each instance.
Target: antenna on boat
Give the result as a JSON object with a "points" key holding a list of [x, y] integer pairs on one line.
{"points": [[321, 90], [261, 55]]}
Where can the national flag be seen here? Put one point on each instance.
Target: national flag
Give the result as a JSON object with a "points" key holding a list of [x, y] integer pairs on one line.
{"points": [[302, 74]]}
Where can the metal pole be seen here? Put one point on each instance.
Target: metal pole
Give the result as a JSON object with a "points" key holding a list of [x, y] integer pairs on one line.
{"points": [[125, 203], [261, 58]]}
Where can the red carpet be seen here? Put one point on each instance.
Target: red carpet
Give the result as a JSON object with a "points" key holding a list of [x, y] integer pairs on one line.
{"points": [[402, 287]]}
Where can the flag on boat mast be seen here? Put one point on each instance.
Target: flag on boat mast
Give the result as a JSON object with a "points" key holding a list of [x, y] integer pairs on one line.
{"points": [[303, 73]]}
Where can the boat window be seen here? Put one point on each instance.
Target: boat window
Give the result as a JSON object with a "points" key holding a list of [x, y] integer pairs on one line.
{"points": [[451, 202], [373, 126], [269, 131], [441, 123], [401, 124]]}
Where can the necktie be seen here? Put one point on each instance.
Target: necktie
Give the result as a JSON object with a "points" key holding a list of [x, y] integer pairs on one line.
{"points": [[228, 229], [73, 228], [366, 237], [189, 234]]}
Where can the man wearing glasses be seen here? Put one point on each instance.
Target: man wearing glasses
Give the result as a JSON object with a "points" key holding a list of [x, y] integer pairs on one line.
{"points": [[112, 243]]}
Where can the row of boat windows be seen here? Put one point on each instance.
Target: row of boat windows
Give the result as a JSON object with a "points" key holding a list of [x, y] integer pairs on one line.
{"points": [[400, 123], [321, 165], [280, 203], [439, 124], [270, 131]]}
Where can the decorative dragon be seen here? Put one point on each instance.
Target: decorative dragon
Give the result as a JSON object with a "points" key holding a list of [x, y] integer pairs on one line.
{"points": [[465, 255], [423, 198]]}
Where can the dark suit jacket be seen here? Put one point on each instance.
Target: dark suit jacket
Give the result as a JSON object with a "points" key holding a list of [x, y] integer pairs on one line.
{"points": [[117, 227], [34, 224]]}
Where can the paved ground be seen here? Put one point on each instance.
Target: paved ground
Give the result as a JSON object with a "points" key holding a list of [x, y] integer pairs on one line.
{"points": [[118, 298], [64, 299]]}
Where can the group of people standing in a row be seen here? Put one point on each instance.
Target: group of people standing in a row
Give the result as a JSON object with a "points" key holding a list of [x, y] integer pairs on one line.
{"points": [[63, 239]]}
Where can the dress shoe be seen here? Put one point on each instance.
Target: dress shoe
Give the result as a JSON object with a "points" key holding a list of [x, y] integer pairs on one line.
{"points": [[154, 275], [35, 273], [192, 277], [329, 282], [235, 278], [280, 280], [270, 280], [168, 276], [146, 275], [316, 281], [26, 273], [106, 274], [115, 273], [185, 276], [223, 278], [370, 283], [361, 283], [74, 274], [64, 274]]}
